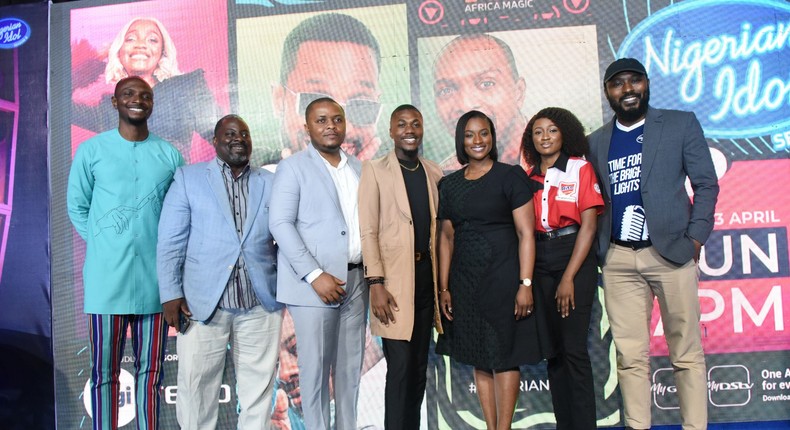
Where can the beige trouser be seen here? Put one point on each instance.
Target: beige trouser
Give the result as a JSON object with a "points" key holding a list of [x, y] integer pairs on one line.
{"points": [[631, 279], [254, 337]]}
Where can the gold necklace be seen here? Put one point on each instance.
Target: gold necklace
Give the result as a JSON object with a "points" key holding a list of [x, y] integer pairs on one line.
{"points": [[412, 169]]}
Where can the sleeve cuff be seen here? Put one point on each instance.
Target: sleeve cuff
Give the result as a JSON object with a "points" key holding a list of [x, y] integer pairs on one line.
{"points": [[312, 276]]}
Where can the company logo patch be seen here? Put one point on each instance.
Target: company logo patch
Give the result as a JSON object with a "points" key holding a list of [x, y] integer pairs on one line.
{"points": [[13, 32], [566, 191]]}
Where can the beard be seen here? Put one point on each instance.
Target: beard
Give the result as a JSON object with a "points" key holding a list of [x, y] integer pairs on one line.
{"points": [[633, 114], [411, 153]]}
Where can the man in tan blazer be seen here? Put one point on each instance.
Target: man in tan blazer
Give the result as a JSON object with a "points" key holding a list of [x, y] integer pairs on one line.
{"points": [[398, 199]]}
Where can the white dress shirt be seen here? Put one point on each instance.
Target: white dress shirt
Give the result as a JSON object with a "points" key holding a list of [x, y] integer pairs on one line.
{"points": [[347, 185]]}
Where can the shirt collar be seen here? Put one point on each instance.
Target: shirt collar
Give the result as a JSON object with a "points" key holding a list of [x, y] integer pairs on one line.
{"points": [[225, 168], [561, 163], [341, 164], [638, 124]]}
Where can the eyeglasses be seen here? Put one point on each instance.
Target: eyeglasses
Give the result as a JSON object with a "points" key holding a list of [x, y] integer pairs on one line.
{"points": [[360, 112]]}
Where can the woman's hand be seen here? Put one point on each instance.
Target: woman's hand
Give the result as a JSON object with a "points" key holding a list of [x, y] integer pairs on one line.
{"points": [[524, 302], [446, 304], [564, 297]]}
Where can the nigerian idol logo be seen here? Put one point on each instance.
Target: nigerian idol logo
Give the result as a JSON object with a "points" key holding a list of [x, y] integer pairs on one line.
{"points": [[726, 60], [13, 32]]}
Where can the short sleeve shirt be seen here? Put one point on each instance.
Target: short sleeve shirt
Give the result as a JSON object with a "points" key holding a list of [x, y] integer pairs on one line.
{"points": [[568, 189]]}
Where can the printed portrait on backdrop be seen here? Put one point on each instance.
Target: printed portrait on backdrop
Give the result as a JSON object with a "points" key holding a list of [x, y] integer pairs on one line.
{"points": [[508, 76], [153, 40], [285, 62]]}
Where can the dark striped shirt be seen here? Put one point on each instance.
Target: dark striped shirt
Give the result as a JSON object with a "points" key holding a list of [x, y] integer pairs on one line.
{"points": [[238, 293]]}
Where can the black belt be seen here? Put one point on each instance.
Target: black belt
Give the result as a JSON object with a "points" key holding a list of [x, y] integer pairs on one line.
{"points": [[352, 266], [549, 235], [633, 244]]}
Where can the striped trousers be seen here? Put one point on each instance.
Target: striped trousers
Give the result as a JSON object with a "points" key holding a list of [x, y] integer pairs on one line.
{"points": [[107, 338]]}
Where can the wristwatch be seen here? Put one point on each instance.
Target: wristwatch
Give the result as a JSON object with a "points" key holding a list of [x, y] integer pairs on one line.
{"points": [[526, 282]]}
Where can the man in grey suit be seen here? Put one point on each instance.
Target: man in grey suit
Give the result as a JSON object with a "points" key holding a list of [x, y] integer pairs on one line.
{"points": [[643, 157], [216, 267], [315, 221]]}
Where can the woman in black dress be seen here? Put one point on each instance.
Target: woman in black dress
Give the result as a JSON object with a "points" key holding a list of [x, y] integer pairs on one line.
{"points": [[486, 255]]}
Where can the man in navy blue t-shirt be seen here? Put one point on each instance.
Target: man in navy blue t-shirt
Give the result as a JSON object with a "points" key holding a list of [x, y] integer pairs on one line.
{"points": [[650, 237]]}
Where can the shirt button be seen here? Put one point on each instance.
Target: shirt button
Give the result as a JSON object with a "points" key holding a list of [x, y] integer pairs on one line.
{"points": [[230, 267], [343, 233]]}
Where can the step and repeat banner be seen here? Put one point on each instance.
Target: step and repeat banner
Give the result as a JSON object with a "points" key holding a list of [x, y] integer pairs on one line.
{"points": [[726, 60]]}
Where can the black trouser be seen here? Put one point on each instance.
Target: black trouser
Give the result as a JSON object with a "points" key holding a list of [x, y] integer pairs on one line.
{"points": [[407, 361], [570, 372]]}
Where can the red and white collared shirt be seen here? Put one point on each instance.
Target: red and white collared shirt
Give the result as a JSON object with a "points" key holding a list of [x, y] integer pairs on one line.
{"points": [[568, 189]]}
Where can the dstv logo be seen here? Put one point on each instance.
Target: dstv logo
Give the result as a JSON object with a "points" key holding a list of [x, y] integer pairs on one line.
{"points": [[729, 385]]}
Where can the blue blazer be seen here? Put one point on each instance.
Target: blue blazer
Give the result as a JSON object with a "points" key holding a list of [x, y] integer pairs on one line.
{"points": [[307, 222], [674, 147], [198, 243]]}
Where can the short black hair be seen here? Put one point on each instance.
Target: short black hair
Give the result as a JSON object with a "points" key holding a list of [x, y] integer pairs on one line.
{"points": [[127, 79], [402, 108], [574, 142], [460, 130], [327, 27], [321, 100], [221, 120]]}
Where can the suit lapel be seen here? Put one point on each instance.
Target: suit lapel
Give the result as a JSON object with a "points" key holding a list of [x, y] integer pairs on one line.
{"points": [[217, 185], [254, 199], [325, 178], [654, 125], [603, 154], [401, 198]]}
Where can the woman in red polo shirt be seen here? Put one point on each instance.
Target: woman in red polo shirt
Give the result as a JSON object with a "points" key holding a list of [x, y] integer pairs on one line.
{"points": [[567, 203]]}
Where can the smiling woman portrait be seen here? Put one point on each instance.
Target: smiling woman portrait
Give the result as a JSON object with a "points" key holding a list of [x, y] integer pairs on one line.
{"points": [[143, 47]]}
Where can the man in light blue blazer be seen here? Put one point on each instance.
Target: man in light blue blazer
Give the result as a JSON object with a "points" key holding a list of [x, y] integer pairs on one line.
{"points": [[650, 237], [315, 221], [217, 279]]}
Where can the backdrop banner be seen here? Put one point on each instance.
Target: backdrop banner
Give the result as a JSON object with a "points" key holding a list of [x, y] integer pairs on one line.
{"points": [[25, 323], [726, 60]]}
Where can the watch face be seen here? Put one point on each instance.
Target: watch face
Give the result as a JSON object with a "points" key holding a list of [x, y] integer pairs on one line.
{"points": [[527, 282]]}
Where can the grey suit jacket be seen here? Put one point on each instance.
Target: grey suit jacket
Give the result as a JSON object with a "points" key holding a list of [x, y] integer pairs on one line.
{"points": [[674, 147], [307, 222], [198, 244]]}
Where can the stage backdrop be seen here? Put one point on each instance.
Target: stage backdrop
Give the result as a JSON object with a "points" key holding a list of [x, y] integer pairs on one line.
{"points": [[726, 60], [26, 393]]}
